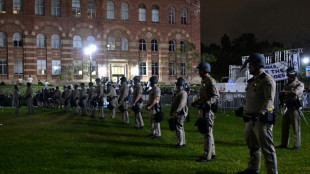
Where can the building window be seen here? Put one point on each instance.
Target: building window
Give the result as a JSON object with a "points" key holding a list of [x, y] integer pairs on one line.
{"points": [[55, 41], [17, 6], [91, 9], [111, 43], [171, 15], [56, 8], [41, 67], [76, 8], [142, 13], [172, 70], [3, 66], [40, 7], [77, 42], [2, 6], [183, 46], [110, 10], [124, 44], [155, 14], [17, 40], [183, 69], [56, 67], [3, 39], [171, 45], [18, 66], [124, 11], [154, 45], [91, 41], [184, 16], [154, 68], [78, 67], [142, 45], [41, 41], [142, 68]]}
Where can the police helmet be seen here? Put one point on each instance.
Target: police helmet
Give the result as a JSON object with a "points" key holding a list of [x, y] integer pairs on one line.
{"points": [[28, 84], [76, 86], [257, 59], [153, 80], [204, 66], [123, 79], [90, 84], [65, 87], [82, 84], [180, 82], [57, 87], [69, 87], [97, 80], [291, 72], [136, 78]]}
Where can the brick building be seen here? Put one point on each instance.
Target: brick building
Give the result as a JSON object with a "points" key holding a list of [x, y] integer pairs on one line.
{"points": [[47, 38]]}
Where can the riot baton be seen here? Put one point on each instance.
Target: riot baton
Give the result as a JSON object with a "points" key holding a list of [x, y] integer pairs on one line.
{"points": [[301, 114]]}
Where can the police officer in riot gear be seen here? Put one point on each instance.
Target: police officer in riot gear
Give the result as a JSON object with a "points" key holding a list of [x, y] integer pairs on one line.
{"points": [[123, 99], [154, 107], [75, 99], [137, 103], [112, 99], [179, 110], [291, 95], [259, 106], [82, 99], [68, 99], [208, 96], [29, 93], [91, 101], [99, 98], [57, 95]]}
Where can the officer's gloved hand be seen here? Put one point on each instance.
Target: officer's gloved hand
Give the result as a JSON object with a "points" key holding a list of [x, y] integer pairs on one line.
{"points": [[239, 111]]}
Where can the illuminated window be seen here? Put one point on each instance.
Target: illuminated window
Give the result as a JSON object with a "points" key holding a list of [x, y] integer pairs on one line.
{"points": [[17, 6], [91, 9], [2, 6], [111, 43], [76, 8]]}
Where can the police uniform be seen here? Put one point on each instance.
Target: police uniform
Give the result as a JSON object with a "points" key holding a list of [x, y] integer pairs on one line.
{"points": [[57, 96], [179, 106], [123, 97], [99, 91], [91, 102], [155, 127], [75, 96], [208, 95], [260, 93], [138, 117], [293, 92], [68, 100], [16, 96], [83, 100], [112, 99], [29, 93]]}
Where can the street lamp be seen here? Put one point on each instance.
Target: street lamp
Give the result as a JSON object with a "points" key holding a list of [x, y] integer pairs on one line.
{"points": [[89, 50], [305, 60]]}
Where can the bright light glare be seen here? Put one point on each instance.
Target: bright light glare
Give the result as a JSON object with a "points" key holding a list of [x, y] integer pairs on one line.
{"points": [[90, 49], [305, 60]]}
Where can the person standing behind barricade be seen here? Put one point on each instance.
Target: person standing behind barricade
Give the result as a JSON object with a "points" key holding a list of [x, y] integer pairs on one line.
{"points": [[179, 110], [29, 93], [57, 95], [154, 108], [123, 99], [16, 96], [137, 103], [99, 97], [208, 96], [82, 102], [291, 96], [91, 99], [259, 117], [75, 97], [63, 97], [68, 99], [112, 99]]}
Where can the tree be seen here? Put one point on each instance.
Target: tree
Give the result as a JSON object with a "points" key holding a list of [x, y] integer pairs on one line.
{"points": [[225, 42]]}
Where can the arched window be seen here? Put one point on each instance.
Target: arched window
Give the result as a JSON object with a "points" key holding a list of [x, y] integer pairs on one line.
{"points": [[39, 7], [124, 44], [111, 43], [91, 40], [171, 15], [184, 16], [124, 11], [155, 14], [3, 39], [142, 13], [91, 9], [110, 10], [154, 45], [17, 40], [56, 8], [17, 6], [55, 41], [76, 8], [41, 41], [142, 45], [2, 6], [172, 45], [183, 46], [77, 41]]}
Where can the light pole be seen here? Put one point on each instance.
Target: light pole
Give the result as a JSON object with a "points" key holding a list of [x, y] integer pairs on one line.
{"points": [[89, 50]]}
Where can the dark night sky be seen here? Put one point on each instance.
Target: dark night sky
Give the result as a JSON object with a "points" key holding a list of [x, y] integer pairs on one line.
{"points": [[285, 21]]}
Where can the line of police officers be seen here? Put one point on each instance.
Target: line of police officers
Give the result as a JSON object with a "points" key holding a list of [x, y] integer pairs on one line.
{"points": [[257, 111]]}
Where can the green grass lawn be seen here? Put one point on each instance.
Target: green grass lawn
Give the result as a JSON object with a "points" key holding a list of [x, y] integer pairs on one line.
{"points": [[57, 142]]}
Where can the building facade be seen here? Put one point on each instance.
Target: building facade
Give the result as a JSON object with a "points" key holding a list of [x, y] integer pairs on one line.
{"points": [[47, 39]]}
